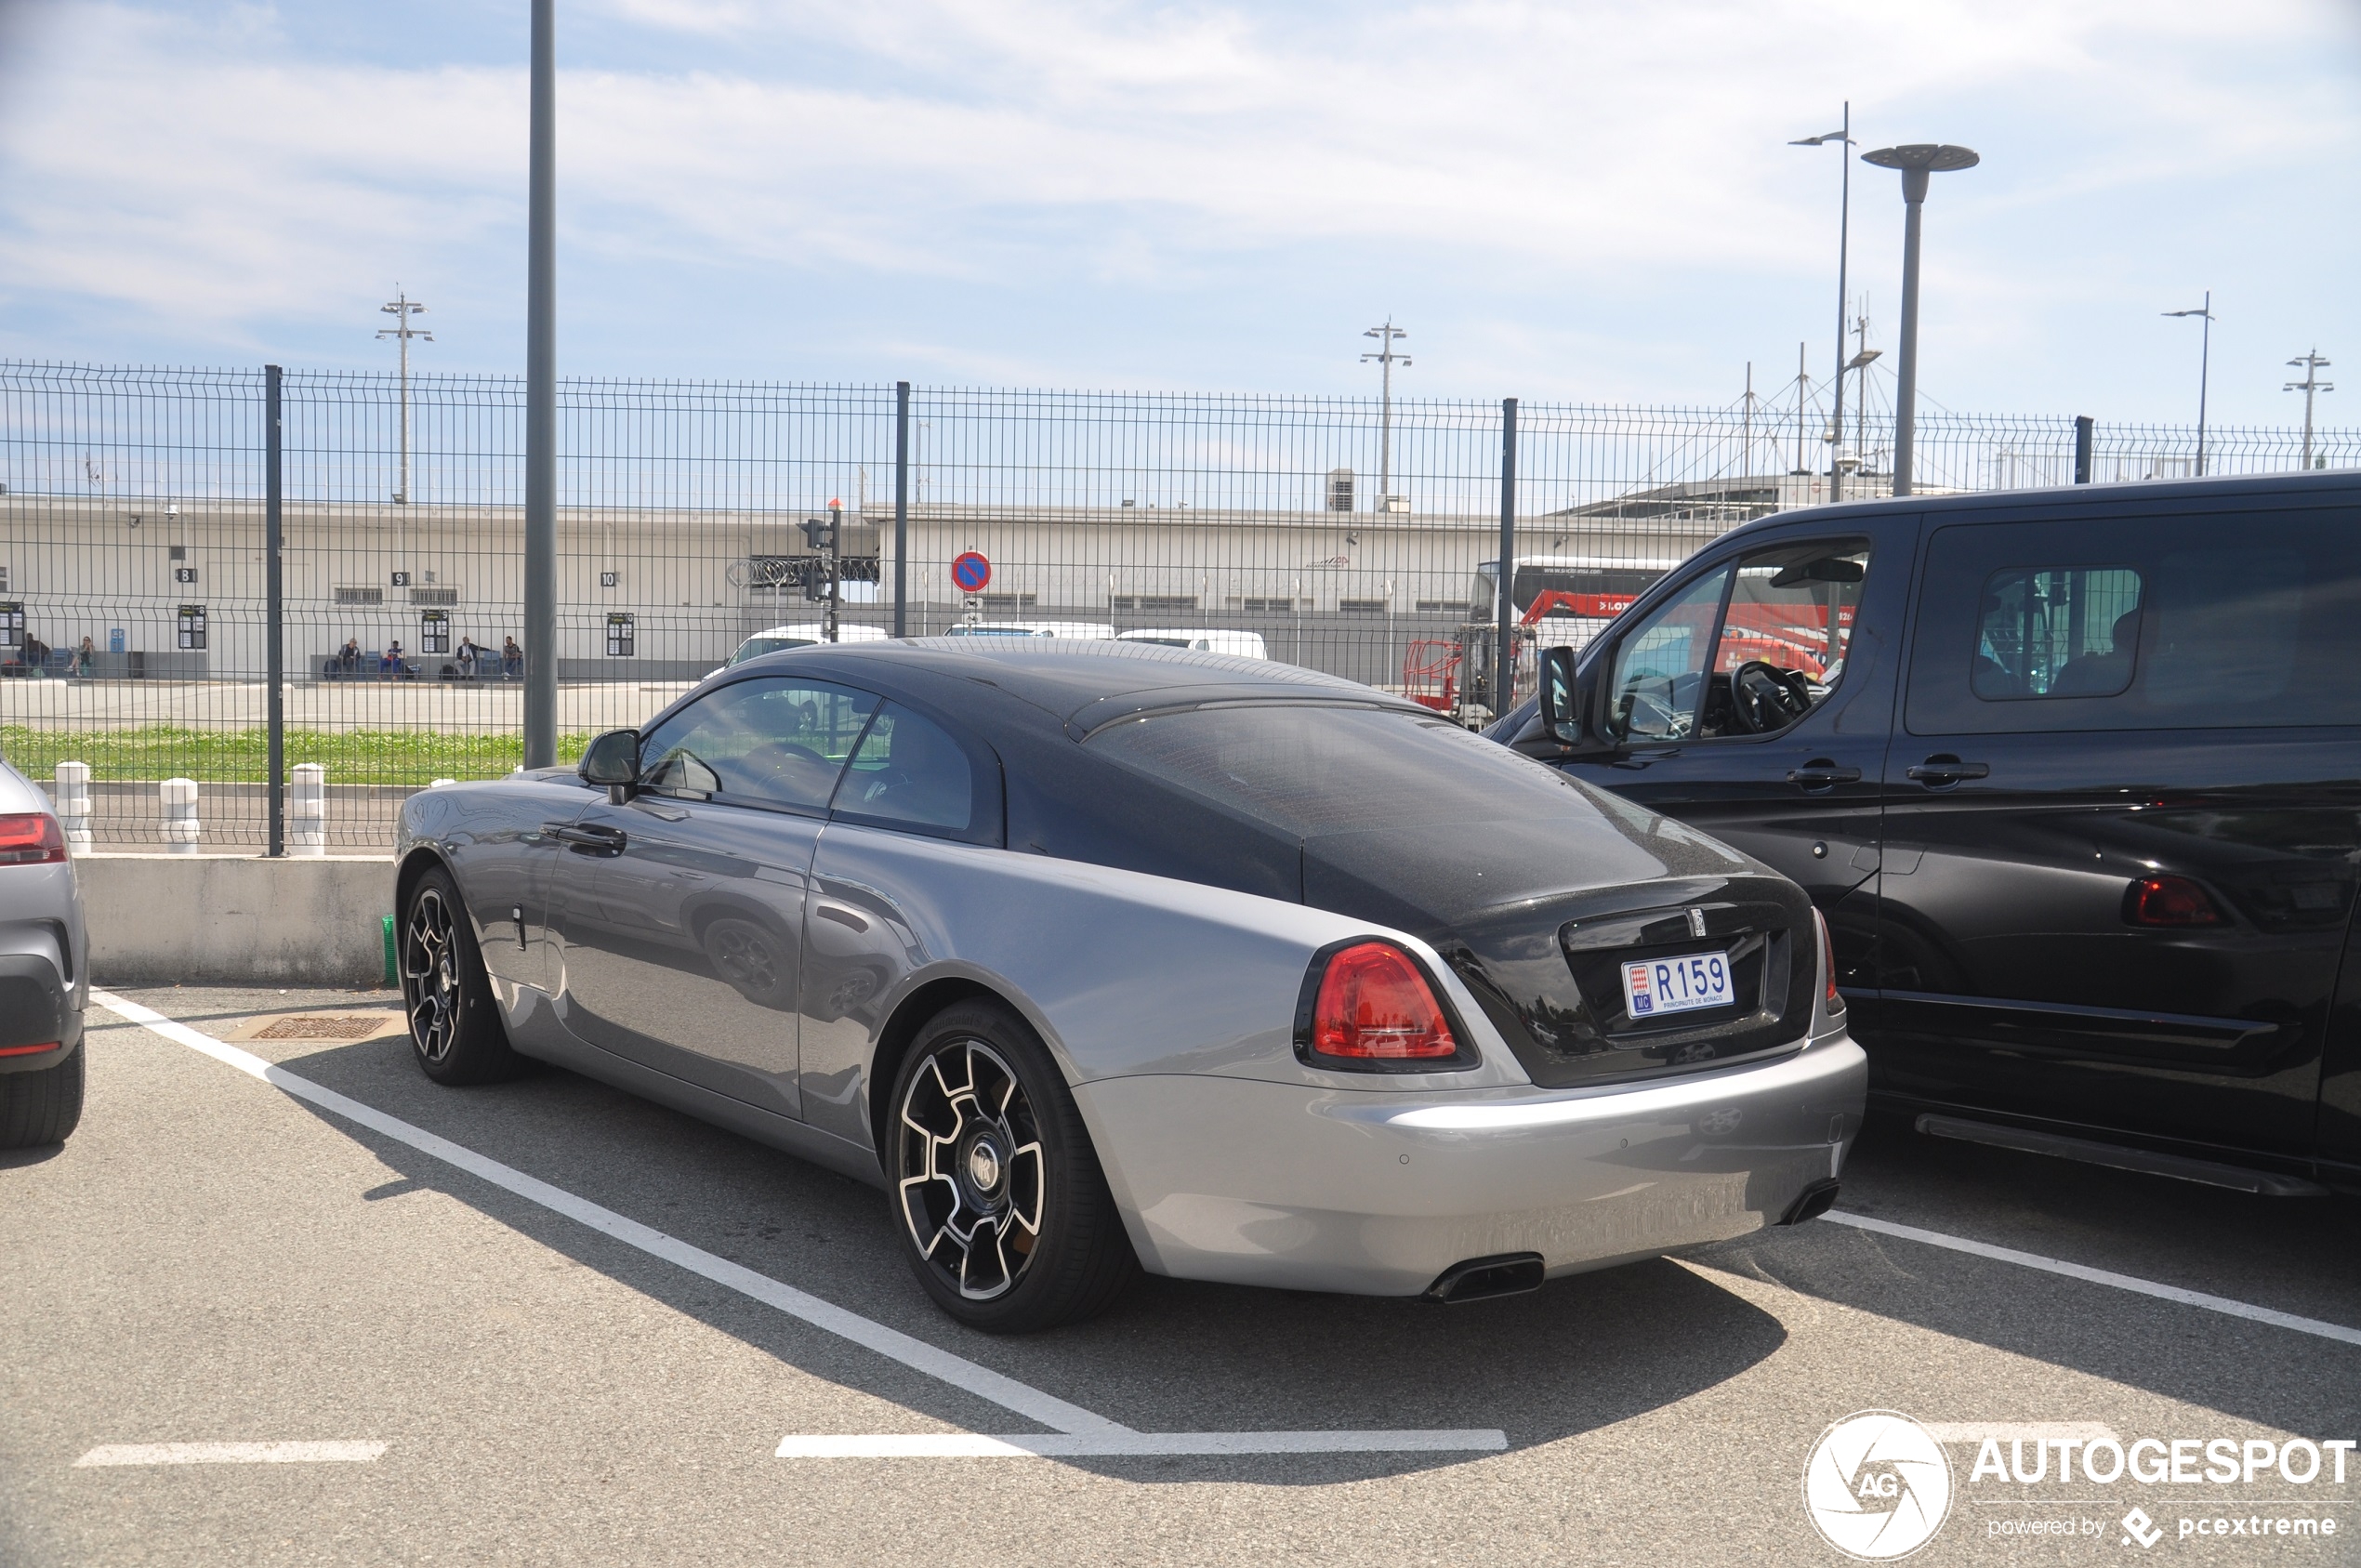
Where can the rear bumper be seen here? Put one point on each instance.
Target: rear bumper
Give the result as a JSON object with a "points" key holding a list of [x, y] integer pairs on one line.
{"points": [[1376, 1193], [36, 1007]]}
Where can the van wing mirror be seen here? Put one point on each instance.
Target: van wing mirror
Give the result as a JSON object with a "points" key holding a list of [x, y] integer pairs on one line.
{"points": [[613, 760], [1560, 703]]}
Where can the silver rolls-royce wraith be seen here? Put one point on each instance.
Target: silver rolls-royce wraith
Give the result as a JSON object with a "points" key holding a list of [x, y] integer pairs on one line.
{"points": [[1098, 957]]}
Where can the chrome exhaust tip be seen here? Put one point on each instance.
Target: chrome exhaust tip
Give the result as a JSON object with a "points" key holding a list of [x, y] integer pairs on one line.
{"points": [[1812, 1203], [1479, 1278]]}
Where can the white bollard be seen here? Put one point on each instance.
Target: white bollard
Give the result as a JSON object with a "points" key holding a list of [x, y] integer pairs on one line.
{"points": [[179, 816], [73, 793], [308, 811]]}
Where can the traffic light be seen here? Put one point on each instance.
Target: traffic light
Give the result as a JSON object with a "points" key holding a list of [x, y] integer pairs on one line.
{"points": [[820, 537]]}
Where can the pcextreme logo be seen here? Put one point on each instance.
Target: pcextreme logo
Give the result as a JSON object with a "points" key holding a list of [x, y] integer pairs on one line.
{"points": [[1876, 1486]]}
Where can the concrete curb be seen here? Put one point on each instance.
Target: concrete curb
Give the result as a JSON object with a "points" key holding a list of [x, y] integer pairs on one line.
{"points": [[229, 920]]}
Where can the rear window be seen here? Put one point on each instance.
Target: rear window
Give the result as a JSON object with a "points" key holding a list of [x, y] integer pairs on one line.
{"points": [[1313, 769]]}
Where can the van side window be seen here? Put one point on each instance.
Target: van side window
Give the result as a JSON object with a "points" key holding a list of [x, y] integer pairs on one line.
{"points": [[1660, 667], [2227, 623], [2056, 632], [2217, 619]]}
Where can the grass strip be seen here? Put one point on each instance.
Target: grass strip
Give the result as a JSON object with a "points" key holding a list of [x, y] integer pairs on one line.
{"points": [[352, 756]]}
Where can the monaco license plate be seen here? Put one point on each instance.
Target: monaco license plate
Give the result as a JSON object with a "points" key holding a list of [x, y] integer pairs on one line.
{"points": [[1659, 987]]}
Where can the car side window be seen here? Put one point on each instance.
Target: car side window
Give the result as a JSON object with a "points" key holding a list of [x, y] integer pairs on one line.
{"points": [[908, 771], [762, 742], [2056, 632], [1785, 634], [1659, 675]]}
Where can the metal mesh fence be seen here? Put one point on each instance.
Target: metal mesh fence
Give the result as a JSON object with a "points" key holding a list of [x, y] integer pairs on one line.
{"points": [[1349, 535]]}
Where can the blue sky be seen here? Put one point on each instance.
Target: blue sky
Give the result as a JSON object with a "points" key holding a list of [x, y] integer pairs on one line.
{"points": [[1578, 200]]}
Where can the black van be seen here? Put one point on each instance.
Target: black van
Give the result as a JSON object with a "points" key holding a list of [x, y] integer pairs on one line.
{"points": [[2075, 777]]}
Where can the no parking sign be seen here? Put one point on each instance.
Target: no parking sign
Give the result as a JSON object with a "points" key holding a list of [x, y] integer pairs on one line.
{"points": [[971, 571]]}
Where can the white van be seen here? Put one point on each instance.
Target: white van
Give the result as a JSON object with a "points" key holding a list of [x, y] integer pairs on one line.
{"points": [[802, 635], [1237, 645], [1088, 631]]}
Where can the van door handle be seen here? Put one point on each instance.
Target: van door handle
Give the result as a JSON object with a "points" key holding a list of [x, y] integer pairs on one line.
{"points": [[597, 839], [1942, 772], [1820, 773]]}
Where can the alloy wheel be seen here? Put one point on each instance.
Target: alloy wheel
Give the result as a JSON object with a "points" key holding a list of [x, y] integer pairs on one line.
{"points": [[430, 975], [970, 1168]]}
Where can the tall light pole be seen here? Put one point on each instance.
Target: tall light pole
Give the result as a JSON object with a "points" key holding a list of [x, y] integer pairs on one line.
{"points": [[541, 402], [1387, 359], [2311, 364], [2204, 367], [1916, 160], [1841, 140], [402, 310]]}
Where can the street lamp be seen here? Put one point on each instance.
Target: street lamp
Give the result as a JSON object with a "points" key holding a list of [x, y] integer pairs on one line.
{"points": [[2204, 367], [1387, 359], [2311, 364], [1842, 139], [1916, 161]]}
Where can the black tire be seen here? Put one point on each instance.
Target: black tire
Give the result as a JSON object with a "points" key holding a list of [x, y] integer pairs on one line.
{"points": [[44, 1106], [978, 1078], [455, 1030]]}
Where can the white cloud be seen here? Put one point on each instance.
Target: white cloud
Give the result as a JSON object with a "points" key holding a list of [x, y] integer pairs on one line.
{"points": [[152, 158]]}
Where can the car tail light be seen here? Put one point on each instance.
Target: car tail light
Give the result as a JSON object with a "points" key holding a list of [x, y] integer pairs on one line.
{"points": [[2168, 901], [1374, 1006], [1827, 960], [30, 839], [30, 1050]]}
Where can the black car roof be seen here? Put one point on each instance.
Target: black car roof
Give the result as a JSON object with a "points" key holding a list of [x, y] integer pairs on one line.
{"points": [[1077, 683]]}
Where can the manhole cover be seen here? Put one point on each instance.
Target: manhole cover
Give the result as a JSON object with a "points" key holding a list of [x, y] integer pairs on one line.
{"points": [[332, 1026]]}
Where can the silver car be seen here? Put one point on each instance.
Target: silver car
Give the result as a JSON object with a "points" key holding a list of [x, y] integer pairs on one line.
{"points": [[1100, 955], [44, 977]]}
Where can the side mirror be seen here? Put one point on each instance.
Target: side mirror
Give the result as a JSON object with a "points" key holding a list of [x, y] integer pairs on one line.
{"points": [[1560, 715], [613, 760]]}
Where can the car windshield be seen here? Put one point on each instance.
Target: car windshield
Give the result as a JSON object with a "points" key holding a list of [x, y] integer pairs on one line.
{"points": [[754, 647], [1309, 769]]}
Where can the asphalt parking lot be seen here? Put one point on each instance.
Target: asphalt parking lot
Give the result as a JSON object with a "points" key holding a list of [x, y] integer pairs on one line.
{"points": [[543, 1322]]}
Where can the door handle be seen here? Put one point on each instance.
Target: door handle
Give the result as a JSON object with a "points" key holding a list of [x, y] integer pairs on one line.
{"points": [[1820, 773], [1942, 771], [599, 840]]}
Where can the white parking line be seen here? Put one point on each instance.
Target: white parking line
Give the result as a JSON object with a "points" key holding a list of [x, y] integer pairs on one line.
{"points": [[1064, 1419], [231, 1454], [2019, 1431], [1026, 1445], [2100, 1276]]}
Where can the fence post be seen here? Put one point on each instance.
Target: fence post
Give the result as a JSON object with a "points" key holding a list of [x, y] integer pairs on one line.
{"points": [[2083, 427], [1503, 669], [901, 509], [274, 609], [541, 402]]}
